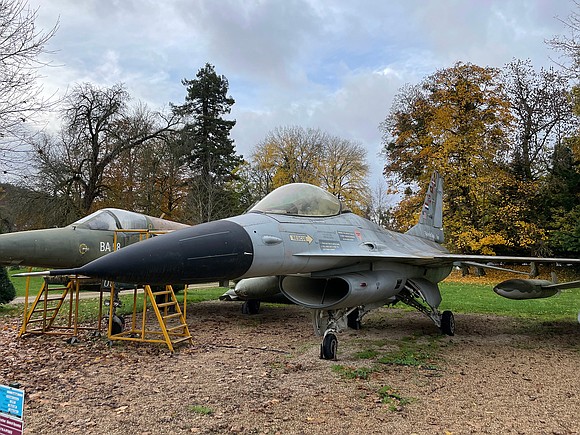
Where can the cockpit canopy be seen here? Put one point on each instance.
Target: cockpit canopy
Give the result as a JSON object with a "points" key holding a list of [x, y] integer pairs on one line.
{"points": [[299, 199], [113, 219]]}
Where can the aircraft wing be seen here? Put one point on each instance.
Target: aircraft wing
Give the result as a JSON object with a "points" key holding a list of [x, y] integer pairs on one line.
{"points": [[438, 258], [410, 258], [504, 259], [564, 285]]}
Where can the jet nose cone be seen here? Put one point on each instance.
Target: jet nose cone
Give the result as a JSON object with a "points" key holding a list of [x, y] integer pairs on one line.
{"points": [[207, 252]]}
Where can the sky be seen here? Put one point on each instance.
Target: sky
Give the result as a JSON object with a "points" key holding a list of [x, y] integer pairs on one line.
{"points": [[332, 65]]}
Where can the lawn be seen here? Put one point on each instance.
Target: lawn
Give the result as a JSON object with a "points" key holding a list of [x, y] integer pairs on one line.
{"points": [[89, 307], [480, 298], [459, 296], [20, 283]]}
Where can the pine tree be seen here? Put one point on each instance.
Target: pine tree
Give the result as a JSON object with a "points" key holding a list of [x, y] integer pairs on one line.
{"points": [[206, 145]]}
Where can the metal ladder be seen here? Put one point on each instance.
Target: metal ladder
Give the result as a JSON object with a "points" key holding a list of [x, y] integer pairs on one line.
{"points": [[173, 328], [171, 319], [41, 316]]}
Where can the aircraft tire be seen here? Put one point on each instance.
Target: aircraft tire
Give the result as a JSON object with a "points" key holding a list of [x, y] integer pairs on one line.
{"points": [[352, 320], [251, 306], [329, 346], [118, 325], [448, 323]]}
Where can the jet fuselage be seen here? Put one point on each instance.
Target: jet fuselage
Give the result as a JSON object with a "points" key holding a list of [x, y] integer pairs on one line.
{"points": [[81, 242], [259, 244]]}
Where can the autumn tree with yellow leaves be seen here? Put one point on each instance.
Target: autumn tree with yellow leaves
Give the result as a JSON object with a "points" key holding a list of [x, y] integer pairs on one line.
{"points": [[296, 155], [497, 137], [454, 122]]}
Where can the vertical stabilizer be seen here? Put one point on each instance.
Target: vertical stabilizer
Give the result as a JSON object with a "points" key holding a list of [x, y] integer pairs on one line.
{"points": [[430, 224]]}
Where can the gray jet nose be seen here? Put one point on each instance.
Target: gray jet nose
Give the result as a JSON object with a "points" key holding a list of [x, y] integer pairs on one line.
{"points": [[212, 251]]}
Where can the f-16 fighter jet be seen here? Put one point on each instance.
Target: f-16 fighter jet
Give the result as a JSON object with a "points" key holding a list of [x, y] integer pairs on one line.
{"points": [[322, 257]]}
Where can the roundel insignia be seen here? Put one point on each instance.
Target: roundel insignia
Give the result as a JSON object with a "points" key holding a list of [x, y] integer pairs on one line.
{"points": [[83, 248]]}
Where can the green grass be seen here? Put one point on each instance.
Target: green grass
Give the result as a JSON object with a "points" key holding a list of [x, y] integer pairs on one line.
{"points": [[391, 397], [347, 372], [457, 296], [200, 409], [480, 298], [417, 352], [366, 354], [410, 356], [20, 283], [194, 295], [88, 308]]}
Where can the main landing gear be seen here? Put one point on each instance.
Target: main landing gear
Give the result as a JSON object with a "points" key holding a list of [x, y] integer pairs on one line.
{"points": [[420, 294], [425, 297], [447, 323], [118, 322], [251, 306]]}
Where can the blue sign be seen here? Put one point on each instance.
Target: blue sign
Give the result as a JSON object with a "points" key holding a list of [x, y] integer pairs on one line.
{"points": [[11, 401]]}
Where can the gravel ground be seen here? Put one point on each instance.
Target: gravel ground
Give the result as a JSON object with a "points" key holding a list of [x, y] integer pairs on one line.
{"points": [[261, 374]]}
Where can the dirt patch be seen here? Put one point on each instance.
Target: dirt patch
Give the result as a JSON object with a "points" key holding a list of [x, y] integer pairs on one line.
{"points": [[262, 374]]}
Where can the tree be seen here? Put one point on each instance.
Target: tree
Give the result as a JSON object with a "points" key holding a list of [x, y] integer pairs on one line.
{"points": [[542, 111], [380, 208], [21, 46], [344, 171], [297, 155], [24, 209], [569, 46], [290, 155], [559, 202], [456, 122], [98, 127], [7, 290], [206, 144], [560, 196], [150, 179]]}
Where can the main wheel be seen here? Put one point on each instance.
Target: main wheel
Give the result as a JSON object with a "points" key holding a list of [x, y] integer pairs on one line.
{"points": [[352, 320], [448, 323], [329, 346], [118, 325], [251, 306]]}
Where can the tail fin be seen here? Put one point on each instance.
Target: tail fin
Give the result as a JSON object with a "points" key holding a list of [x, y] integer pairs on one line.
{"points": [[430, 224]]}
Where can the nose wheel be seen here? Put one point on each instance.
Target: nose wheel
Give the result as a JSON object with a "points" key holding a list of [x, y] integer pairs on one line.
{"points": [[329, 346]]}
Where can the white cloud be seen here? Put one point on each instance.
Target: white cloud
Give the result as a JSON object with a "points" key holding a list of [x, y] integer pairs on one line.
{"points": [[328, 64]]}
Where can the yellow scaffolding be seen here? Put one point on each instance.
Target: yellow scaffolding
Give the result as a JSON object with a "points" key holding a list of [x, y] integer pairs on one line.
{"points": [[42, 317], [170, 317], [173, 328]]}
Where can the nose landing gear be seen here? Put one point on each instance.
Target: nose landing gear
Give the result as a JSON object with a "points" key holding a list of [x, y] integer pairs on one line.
{"points": [[329, 346]]}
